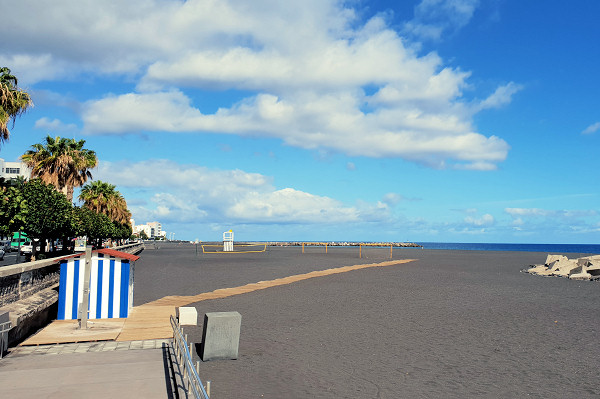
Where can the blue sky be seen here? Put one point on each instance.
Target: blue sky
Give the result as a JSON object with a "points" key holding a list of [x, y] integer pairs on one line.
{"points": [[424, 120]]}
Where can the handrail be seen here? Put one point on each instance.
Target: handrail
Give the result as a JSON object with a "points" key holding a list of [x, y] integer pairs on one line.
{"points": [[4, 329], [18, 268], [184, 357]]}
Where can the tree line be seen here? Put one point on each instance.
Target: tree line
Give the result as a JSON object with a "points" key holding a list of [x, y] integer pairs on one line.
{"points": [[42, 207]]}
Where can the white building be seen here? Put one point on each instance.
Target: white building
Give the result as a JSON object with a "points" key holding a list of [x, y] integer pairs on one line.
{"points": [[11, 170], [152, 229], [156, 229]]}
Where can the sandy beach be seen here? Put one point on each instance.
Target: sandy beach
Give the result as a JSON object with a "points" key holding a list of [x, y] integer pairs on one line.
{"points": [[449, 324]]}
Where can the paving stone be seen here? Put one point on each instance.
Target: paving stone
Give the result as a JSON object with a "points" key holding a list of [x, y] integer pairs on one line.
{"points": [[97, 347]]}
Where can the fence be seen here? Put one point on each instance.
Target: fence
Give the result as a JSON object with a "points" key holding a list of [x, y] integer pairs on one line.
{"points": [[4, 328], [233, 250], [190, 377]]}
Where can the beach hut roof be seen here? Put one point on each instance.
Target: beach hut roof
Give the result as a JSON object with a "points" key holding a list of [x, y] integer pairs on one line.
{"points": [[109, 252]]}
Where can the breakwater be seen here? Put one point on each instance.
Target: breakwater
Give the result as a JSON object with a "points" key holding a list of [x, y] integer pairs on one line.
{"points": [[340, 244]]}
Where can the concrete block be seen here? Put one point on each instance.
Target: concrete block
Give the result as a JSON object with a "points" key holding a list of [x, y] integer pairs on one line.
{"points": [[594, 270], [221, 336], [538, 269], [580, 276], [578, 269], [563, 267], [187, 316], [553, 258], [583, 262]]}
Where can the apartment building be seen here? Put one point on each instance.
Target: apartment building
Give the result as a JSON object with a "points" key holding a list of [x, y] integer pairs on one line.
{"points": [[12, 170]]}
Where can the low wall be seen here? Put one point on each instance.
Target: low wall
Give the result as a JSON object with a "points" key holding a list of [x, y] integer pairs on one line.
{"points": [[29, 292], [23, 280]]}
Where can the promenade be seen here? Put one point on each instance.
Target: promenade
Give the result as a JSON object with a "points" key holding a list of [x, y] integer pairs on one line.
{"points": [[449, 324], [89, 370]]}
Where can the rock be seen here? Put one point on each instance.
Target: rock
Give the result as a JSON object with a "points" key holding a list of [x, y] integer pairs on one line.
{"points": [[585, 268], [583, 262], [563, 267], [542, 270], [580, 276], [578, 269], [553, 258]]}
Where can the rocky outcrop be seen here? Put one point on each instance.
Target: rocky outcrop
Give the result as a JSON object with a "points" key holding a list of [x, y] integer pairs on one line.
{"points": [[586, 268]]}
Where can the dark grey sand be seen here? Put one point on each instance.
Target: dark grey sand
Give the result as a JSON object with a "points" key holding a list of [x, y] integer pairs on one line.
{"points": [[452, 324]]}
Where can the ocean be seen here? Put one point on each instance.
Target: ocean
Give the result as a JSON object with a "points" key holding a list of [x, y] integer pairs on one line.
{"points": [[550, 248]]}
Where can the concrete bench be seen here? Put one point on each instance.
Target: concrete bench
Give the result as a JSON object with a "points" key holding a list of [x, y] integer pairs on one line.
{"points": [[221, 336]]}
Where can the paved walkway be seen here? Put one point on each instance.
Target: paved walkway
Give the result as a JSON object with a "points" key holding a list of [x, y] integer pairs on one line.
{"points": [[136, 369]]}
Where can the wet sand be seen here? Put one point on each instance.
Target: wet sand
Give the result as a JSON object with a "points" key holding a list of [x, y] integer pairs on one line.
{"points": [[451, 324]]}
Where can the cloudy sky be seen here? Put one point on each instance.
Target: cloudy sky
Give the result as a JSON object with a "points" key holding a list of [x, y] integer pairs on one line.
{"points": [[406, 120]]}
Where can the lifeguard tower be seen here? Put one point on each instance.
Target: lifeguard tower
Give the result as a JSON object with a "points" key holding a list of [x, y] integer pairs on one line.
{"points": [[228, 241]]}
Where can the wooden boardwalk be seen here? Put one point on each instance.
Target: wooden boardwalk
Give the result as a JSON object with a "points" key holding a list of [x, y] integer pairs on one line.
{"points": [[152, 320]]}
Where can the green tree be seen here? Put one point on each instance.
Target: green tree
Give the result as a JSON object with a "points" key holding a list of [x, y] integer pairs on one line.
{"points": [[13, 102], [62, 162], [103, 198], [13, 210], [48, 212], [122, 231], [97, 226]]}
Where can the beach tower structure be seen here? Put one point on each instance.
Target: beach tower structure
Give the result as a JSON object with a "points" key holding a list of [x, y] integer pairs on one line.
{"points": [[110, 285], [228, 241]]}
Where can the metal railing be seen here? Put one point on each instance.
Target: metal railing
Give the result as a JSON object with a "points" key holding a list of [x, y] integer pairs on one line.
{"points": [[4, 329], [190, 377]]}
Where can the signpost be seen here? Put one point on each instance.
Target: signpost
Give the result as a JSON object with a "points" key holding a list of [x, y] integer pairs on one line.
{"points": [[83, 308]]}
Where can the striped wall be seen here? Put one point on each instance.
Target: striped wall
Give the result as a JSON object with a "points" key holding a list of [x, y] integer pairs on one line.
{"points": [[111, 287]]}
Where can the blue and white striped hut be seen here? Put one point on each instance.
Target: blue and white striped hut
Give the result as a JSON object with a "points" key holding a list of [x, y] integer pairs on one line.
{"points": [[111, 285]]}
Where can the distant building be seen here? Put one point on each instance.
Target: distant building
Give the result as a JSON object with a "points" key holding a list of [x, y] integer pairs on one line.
{"points": [[156, 229], [152, 229], [12, 170]]}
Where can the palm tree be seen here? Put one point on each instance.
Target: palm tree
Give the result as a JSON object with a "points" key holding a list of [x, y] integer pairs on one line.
{"points": [[64, 163], [13, 102], [103, 198]]}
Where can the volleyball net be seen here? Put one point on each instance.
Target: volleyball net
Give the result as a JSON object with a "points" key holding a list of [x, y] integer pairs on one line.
{"points": [[233, 248]]}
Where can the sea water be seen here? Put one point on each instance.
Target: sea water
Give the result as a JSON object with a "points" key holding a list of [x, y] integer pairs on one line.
{"points": [[550, 248]]}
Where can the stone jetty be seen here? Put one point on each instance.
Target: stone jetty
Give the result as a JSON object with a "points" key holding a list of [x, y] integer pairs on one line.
{"points": [[342, 244], [585, 268]]}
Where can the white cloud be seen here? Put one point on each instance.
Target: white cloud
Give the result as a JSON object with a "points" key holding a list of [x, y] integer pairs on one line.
{"points": [[483, 221], [529, 212], [502, 96], [306, 64], [392, 199], [558, 222], [436, 17], [191, 193], [307, 121], [56, 126], [592, 128]]}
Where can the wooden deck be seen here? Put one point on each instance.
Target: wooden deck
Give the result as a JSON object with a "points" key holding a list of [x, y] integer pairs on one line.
{"points": [[152, 320]]}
